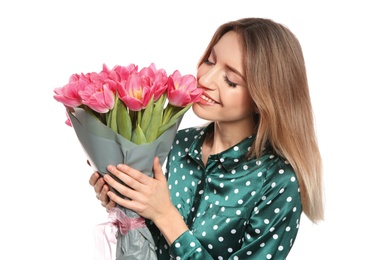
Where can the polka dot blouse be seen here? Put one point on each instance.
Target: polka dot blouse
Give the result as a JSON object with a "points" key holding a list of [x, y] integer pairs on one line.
{"points": [[235, 208]]}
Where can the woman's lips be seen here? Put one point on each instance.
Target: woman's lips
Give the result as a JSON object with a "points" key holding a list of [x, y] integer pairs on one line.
{"points": [[206, 100]]}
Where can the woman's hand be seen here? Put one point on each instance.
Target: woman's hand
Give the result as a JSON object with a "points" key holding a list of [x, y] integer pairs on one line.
{"points": [[101, 189], [148, 196]]}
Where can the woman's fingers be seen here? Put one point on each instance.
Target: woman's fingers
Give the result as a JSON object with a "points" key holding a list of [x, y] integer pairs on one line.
{"points": [[93, 179], [121, 188]]}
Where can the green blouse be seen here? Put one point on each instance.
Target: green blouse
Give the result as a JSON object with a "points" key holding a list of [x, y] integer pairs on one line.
{"points": [[235, 208]]}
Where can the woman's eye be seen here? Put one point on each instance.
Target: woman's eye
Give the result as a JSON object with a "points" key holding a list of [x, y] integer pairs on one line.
{"points": [[208, 62], [230, 83]]}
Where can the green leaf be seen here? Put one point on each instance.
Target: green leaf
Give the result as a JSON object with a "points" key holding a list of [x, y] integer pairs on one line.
{"points": [[123, 120], [147, 115], [138, 135], [174, 115], [156, 120], [112, 116]]}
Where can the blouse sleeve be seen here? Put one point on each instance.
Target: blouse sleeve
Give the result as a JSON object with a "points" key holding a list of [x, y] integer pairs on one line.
{"points": [[187, 246]]}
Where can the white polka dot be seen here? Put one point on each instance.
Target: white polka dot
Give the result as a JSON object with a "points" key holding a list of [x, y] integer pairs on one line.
{"points": [[235, 148], [266, 221], [177, 245], [289, 199], [281, 171], [277, 210], [275, 236], [268, 256], [192, 244], [210, 246], [233, 231], [238, 212], [220, 239], [215, 227], [240, 202], [280, 248]]}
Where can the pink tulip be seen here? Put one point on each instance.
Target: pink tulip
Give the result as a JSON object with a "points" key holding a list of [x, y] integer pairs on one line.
{"points": [[136, 92], [99, 94], [69, 94], [122, 73], [182, 90], [158, 79]]}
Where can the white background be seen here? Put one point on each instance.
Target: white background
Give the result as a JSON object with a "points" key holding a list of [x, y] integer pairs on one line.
{"points": [[48, 209]]}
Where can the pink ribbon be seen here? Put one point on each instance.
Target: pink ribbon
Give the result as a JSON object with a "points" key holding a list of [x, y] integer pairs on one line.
{"points": [[117, 221]]}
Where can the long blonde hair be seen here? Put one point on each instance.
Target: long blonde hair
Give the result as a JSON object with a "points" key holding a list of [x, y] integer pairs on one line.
{"points": [[276, 79]]}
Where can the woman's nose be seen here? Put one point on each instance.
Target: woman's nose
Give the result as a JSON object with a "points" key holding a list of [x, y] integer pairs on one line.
{"points": [[209, 78]]}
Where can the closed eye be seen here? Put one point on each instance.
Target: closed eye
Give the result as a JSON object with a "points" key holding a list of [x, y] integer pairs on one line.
{"points": [[230, 83]]}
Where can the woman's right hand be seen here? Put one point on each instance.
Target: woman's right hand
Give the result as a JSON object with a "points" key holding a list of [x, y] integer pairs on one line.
{"points": [[101, 188]]}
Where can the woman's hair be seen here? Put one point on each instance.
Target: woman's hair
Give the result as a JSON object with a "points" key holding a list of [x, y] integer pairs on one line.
{"points": [[275, 74]]}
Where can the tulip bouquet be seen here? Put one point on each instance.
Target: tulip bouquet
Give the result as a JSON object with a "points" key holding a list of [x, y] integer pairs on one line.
{"points": [[127, 115]]}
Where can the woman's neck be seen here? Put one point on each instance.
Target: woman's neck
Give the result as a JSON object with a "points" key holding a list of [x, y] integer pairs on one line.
{"points": [[224, 136]]}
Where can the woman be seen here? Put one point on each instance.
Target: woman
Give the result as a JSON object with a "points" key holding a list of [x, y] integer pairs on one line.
{"points": [[235, 189]]}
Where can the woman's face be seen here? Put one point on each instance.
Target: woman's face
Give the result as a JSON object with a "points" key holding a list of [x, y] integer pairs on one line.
{"points": [[221, 75]]}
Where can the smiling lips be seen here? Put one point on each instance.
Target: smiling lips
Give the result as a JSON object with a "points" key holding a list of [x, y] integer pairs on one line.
{"points": [[206, 100]]}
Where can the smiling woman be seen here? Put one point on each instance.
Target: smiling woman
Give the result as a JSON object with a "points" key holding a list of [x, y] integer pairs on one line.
{"points": [[236, 187]]}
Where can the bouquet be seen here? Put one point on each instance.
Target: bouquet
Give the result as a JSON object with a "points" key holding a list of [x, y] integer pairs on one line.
{"points": [[127, 115]]}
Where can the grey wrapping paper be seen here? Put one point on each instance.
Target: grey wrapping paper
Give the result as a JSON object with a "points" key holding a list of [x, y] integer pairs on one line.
{"points": [[103, 147]]}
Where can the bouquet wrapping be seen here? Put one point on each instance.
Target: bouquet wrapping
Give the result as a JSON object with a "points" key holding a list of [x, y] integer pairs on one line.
{"points": [[128, 116]]}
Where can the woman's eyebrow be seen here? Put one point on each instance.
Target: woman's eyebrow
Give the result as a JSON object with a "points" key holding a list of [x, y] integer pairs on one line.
{"points": [[235, 71]]}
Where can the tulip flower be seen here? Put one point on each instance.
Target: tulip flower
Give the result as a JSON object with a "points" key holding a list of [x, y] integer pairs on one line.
{"points": [[138, 104]]}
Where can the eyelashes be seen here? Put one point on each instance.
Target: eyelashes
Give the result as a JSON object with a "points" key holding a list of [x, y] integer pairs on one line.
{"points": [[225, 78], [230, 83]]}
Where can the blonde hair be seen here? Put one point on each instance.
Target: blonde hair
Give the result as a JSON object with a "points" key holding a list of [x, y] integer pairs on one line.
{"points": [[276, 79]]}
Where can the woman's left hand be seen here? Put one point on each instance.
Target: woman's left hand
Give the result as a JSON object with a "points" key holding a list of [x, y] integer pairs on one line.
{"points": [[149, 197]]}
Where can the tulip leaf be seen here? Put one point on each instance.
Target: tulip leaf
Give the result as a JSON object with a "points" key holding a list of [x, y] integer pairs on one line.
{"points": [[112, 117], [174, 115], [138, 135], [156, 120], [123, 120], [147, 115]]}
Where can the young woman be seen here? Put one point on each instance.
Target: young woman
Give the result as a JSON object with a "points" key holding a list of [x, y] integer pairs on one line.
{"points": [[236, 188]]}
